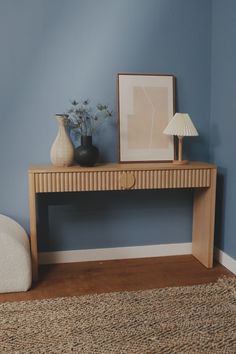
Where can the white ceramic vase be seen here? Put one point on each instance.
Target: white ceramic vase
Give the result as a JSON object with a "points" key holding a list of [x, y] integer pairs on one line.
{"points": [[62, 150]]}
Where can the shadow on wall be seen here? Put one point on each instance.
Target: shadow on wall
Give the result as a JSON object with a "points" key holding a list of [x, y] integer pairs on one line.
{"points": [[114, 219], [220, 207]]}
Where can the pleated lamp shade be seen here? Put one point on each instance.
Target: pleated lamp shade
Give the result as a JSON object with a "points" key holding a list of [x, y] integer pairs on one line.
{"points": [[181, 125]]}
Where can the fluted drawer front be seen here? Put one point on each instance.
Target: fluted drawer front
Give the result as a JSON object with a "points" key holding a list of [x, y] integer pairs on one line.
{"points": [[76, 181], [118, 180], [160, 179]]}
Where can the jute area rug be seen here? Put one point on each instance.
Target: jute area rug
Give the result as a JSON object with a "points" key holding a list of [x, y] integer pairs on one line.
{"points": [[192, 319]]}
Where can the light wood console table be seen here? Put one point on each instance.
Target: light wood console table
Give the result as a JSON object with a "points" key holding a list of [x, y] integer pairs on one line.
{"points": [[134, 176]]}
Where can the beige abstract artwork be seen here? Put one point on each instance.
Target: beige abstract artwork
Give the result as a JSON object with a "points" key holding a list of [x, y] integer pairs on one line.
{"points": [[150, 117], [146, 105]]}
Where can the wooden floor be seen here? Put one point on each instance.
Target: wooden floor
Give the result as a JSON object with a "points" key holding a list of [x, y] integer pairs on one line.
{"points": [[106, 276]]}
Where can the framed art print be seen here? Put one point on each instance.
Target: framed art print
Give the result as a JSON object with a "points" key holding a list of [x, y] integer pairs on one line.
{"points": [[145, 106]]}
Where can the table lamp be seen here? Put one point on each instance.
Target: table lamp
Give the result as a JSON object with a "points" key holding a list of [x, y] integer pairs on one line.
{"points": [[181, 126]]}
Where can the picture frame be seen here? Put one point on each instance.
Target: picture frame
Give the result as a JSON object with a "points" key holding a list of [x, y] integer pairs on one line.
{"points": [[146, 103]]}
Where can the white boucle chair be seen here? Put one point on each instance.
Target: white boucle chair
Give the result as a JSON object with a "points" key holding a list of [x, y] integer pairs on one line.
{"points": [[15, 259]]}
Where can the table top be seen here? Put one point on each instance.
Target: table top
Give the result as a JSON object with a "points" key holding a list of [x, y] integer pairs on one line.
{"points": [[122, 166]]}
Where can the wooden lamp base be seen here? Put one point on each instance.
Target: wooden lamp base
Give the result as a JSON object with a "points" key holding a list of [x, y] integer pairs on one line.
{"points": [[180, 160]]}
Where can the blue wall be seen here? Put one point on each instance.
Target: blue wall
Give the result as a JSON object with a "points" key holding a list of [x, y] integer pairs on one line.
{"points": [[223, 119], [53, 51]]}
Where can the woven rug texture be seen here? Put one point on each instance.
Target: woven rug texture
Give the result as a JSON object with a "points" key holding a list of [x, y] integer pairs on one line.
{"points": [[192, 319]]}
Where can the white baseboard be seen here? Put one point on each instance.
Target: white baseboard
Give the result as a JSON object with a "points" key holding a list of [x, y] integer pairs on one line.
{"points": [[102, 254], [224, 259]]}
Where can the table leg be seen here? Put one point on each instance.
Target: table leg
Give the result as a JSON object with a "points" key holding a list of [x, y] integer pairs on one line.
{"points": [[204, 222], [33, 227]]}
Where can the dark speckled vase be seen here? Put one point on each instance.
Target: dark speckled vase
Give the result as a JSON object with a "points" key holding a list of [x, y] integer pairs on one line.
{"points": [[86, 154]]}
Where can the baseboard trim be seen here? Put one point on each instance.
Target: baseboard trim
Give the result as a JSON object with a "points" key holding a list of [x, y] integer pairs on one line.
{"points": [[226, 260], [102, 254]]}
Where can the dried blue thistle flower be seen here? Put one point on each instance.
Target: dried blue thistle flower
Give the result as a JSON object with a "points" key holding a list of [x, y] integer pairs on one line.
{"points": [[84, 118]]}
